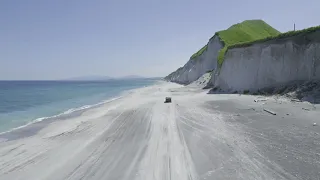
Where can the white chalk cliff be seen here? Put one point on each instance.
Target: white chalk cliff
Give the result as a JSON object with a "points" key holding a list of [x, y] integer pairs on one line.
{"points": [[198, 66], [271, 63], [266, 64]]}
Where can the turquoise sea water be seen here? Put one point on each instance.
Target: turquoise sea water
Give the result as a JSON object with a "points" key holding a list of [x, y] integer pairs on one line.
{"points": [[23, 102]]}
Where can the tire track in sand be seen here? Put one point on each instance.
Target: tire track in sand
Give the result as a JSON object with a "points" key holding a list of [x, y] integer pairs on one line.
{"points": [[167, 157]]}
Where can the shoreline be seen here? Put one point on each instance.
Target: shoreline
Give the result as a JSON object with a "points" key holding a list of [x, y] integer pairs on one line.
{"points": [[34, 126], [141, 137]]}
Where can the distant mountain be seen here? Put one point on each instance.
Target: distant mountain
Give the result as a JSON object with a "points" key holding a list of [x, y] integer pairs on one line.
{"points": [[131, 77], [105, 78], [90, 78]]}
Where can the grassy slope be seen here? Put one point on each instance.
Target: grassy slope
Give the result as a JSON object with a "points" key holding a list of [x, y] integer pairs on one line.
{"points": [[198, 53], [282, 35], [247, 31]]}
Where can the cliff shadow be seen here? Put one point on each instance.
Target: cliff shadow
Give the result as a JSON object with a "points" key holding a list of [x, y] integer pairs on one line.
{"points": [[298, 90], [304, 91], [216, 90]]}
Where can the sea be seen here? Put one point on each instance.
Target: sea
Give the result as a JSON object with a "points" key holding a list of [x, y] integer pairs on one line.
{"points": [[25, 102]]}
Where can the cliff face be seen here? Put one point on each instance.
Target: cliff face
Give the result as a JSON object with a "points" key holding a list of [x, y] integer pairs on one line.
{"points": [[198, 66], [254, 56], [270, 63]]}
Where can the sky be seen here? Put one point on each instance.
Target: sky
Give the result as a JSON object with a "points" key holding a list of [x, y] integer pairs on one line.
{"points": [[58, 39]]}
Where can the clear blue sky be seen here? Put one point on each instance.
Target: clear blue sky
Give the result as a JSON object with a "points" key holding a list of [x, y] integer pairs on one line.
{"points": [[57, 39]]}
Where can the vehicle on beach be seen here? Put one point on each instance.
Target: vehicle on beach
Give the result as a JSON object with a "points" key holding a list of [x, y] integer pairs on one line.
{"points": [[167, 100]]}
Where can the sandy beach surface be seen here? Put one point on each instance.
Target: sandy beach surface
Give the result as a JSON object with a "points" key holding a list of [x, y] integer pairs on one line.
{"points": [[198, 136]]}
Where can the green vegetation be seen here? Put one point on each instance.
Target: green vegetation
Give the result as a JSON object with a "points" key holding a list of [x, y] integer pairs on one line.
{"points": [[280, 36], [198, 53], [247, 31], [246, 92]]}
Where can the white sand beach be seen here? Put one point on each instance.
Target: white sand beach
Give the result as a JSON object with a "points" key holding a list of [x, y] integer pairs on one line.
{"points": [[197, 136]]}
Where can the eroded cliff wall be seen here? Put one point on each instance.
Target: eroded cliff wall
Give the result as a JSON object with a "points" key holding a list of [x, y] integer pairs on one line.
{"points": [[269, 64], [198, 66]]}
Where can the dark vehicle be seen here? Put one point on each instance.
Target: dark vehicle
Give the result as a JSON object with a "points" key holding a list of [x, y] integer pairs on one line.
{"points": [[168, 100]]}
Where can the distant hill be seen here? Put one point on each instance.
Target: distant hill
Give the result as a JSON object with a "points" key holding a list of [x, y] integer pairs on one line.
{"points": [[90, 78], [104, 78], [131, 77]]}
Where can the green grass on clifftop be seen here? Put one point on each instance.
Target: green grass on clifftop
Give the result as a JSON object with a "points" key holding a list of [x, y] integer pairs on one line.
{"points": [[279, 36], [198, 53], [247, 31]]}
